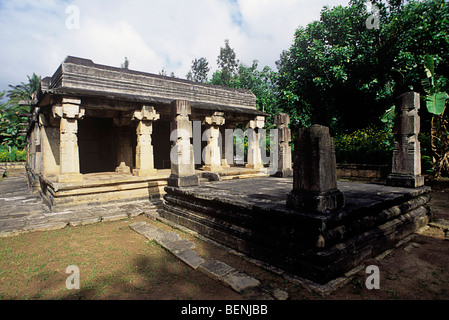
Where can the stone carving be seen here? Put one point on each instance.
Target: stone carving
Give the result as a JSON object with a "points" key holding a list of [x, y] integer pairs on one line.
{"points": [[284, 151], [406, 166], [212, 154], [315, 173], [254, 155], [181, 154]]}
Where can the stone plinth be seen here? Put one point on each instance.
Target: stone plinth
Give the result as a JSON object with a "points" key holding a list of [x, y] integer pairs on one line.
{"points": [[254, 155], [253, 219], [181, 154], [315, 173], [212, 154], [406, 166], [284, 151]]}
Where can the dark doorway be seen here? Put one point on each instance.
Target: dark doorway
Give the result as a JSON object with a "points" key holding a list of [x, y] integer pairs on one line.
{"points": [[97, 149]]}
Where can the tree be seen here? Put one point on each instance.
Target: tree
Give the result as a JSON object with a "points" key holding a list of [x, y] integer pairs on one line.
{"points": [[344, 75], [436, 89], [12, 114], [199, 70], [227, 66]]}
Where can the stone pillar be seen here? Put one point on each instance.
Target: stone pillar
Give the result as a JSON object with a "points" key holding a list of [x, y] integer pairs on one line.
{"points": [[144, 149], [406, 166], [69, 113], [227, 147], [212, 153], [284, 166], [181, 154], [254, 156], [315, 173]]}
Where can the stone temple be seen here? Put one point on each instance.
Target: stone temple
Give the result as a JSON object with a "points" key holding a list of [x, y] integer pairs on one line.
{"points": [[101, 134]]}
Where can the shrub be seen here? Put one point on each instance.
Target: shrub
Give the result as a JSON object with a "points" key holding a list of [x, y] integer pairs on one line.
{"points": [[371, 145], [16, 155]]}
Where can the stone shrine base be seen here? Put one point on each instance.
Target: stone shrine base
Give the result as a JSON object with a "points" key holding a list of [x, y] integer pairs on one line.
{"points": [[250, 216]]}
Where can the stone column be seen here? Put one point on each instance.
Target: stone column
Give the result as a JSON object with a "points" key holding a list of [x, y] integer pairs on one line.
{"points": [[227, 147], [181, 154], [144, 148], [406, 166], [69, 113], [254, 156], [212, 153], [315, 173], [284, 166]]}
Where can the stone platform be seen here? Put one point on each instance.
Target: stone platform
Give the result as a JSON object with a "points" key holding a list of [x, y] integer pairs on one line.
{"points": [[251, 216]]}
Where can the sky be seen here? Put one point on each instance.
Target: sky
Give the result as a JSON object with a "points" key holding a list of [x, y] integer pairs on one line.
{"points": [[36, 36]]}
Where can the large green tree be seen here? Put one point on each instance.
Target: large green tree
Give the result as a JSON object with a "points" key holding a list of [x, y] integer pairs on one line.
{"points": [[345, 70]]}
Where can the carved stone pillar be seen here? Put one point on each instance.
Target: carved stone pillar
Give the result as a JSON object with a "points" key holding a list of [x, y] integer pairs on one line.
{"points": [[254, 156], [69, 113], [315, 173], [212, 154], [406, 166], [284, 161], [181, 154], [144, 148]]}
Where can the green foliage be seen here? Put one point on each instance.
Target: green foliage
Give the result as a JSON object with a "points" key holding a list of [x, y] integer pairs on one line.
{"points": [[337, 69], [199, 70], [435, 88], [13, 120], [371, 145], [16, 155]]}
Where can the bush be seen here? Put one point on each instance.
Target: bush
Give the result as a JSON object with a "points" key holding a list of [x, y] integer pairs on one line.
{"points": [[365, 146], [16, 155]]}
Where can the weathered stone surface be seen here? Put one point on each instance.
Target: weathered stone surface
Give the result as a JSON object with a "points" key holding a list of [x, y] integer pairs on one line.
{"points": [[178, 246], [216, 269], [406, 167], [279, 294], [191, 258], [284, 152], [315, 173], [240, 281], [254, 219]]}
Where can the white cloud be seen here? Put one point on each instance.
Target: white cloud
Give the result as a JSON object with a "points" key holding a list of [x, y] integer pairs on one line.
{"points": [[152, 34]]}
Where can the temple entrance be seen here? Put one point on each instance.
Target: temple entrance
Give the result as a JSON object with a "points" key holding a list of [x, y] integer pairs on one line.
{"points": [[161, 144], [97, 149]]}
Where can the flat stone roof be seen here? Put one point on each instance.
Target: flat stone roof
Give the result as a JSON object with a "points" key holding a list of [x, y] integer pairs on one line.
{"points": [[82, 77]]}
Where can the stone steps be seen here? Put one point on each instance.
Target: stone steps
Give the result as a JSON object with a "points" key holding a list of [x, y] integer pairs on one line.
{"points": [[184, 250]]}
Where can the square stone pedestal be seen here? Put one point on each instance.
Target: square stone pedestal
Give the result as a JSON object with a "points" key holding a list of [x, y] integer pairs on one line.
{"points": [[405, 180]]}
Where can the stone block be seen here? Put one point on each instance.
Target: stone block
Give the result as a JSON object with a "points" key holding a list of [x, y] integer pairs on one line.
{"points": [[216, 269], [182, 181], [178, 246], [240, 281], [191, 258]]}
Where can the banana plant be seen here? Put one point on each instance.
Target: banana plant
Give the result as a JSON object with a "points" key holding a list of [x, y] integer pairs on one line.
{"points": [[436, 94], [436, 99]]}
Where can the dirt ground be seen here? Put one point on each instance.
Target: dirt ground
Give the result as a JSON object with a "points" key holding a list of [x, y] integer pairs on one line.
{"points": [[117, 263]]}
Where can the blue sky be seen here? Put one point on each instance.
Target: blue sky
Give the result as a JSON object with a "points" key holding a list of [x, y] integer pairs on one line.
{"points": [[36, 36]]}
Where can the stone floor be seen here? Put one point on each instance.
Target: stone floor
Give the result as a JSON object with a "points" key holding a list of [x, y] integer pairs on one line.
{"points": [[22, 211]]}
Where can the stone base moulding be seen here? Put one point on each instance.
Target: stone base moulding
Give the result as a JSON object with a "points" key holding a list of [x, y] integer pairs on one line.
{"points": [[323, 202], [182, 181], [404, 180], [251, 217]]}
